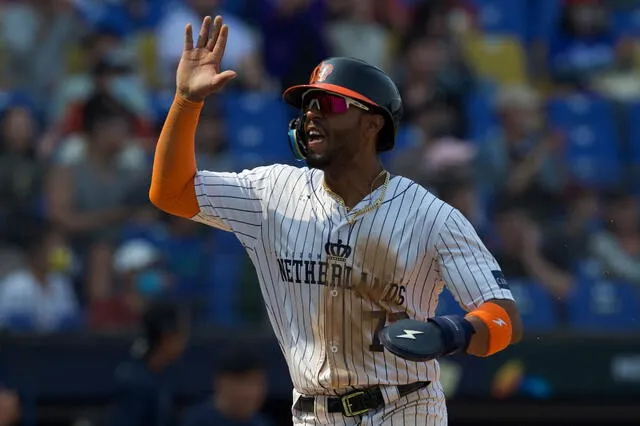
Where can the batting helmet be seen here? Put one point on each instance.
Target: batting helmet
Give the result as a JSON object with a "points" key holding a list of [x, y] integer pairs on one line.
{"points": [[355, 79]]}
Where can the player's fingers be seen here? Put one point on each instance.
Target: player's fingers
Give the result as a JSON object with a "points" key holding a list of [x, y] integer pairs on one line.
{"points": [[205, 29], [224, 78], [221, 44], [217, 25], [188, 37]]}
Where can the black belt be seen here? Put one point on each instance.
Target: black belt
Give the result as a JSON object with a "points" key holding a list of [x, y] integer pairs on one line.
{"points": [[357, 402]]}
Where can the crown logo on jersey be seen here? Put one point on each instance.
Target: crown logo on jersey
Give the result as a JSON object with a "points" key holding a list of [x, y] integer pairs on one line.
{"points": [[337, 251]]}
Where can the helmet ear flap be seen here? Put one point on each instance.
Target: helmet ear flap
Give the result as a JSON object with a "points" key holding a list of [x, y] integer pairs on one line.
{"points": [[298, 138]]}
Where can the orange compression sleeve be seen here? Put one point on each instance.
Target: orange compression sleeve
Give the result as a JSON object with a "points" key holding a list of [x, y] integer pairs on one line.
{"points": [[174, 164]]}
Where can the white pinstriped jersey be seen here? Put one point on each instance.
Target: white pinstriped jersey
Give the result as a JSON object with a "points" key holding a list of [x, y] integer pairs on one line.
{"points": [[329, 285]]}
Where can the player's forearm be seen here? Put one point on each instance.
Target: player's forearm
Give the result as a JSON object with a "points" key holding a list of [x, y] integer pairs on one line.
{"points": [[174, 165], [479, 344], [488, 329]]}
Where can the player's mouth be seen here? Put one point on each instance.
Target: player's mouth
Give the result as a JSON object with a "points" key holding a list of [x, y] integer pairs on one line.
{"points": [[315, 136]]}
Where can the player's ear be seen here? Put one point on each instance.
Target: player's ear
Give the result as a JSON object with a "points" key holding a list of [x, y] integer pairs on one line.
{"points": [[373, 123]]}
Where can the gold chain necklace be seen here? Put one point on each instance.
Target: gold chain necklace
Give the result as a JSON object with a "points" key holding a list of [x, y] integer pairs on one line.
{"points": [[357, 213]]}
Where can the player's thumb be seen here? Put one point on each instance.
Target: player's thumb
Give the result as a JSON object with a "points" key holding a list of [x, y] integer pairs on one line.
{"points": [[224, 78]]}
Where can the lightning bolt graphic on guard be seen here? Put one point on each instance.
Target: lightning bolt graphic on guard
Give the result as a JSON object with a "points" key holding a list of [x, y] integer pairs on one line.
{"points": [[500, 322], [410, 334]]}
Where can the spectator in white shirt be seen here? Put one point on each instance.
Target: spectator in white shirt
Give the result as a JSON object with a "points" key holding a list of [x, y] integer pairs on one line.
{"points": [[170, 39], [36, 297]]}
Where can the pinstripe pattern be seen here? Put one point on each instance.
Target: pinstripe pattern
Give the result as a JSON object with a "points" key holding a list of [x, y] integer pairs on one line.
{"points": [[329, 285]]}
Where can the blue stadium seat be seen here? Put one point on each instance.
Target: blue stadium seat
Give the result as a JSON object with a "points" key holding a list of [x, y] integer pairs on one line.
{"points": [[257, 128], [20, 323], [633, 145], [543, 16], [406, 137], [536, 305], [160, 102], [588, 268], [634, 133], [503, 17], [224, 282], [592, 149], [604, 305], [480, 113], [626, 22], [72, 322]]}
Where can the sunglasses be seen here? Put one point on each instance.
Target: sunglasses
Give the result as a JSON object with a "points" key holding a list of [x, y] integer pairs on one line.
{"points": [[329, 103]]}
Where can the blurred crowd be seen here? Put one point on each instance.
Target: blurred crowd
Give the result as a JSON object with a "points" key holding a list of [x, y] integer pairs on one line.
{"points": [[524, 114]]}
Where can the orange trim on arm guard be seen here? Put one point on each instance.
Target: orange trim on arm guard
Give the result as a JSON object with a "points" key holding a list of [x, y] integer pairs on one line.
{"points": [[498, 323]]}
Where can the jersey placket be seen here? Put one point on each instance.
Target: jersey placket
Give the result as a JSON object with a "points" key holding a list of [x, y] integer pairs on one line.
{"points": [[333, 320], [335, 215], [335, 298]]}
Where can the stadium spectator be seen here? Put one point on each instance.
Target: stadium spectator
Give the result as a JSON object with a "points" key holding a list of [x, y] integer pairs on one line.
{"points": [[461, 192], [620, 82], [36, 297], [102, 60], [21, 169], [519, 251], [523, 159], [428, 162], [10, 410], [422, 76], [35, 35], [583, 45], [188, 251], [113, 75], [239, 390], [139, 278], [241, 47], [565, 243], [90, 199], [356, 33], [212, 152], [144, 397], [617, 245], [293, 38]]}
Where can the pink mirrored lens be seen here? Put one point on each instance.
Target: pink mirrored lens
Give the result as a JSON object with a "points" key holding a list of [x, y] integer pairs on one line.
{"points": [[327, 103], [332, 104]]}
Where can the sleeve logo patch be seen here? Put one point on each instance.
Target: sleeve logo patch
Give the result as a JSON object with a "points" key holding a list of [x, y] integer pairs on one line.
{"points": [[501, 280]]}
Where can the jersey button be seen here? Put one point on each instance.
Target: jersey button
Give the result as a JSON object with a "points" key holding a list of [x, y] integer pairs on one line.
{"points": [[334, 349]]}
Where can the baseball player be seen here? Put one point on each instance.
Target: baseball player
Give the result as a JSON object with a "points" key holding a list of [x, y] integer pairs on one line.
{"points": [[350, 258]]}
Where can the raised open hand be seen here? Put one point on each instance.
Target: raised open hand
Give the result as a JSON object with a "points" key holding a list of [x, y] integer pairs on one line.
{"points": [[199, 73]]}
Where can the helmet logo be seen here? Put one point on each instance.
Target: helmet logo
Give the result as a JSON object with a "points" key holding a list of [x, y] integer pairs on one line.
{"points": [[321, 73]]}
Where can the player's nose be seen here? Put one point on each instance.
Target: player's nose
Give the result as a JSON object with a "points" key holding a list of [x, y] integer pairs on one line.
{"points": [[312, 112]]}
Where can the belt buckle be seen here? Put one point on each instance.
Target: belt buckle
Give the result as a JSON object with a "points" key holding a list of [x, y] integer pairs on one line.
{"points": [[346, 405]]}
